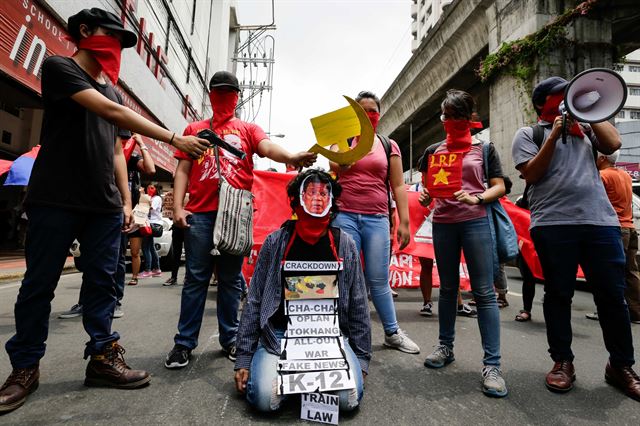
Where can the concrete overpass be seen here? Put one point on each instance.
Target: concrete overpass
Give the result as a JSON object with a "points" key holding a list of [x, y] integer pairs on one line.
{"points": [[470, 29]]}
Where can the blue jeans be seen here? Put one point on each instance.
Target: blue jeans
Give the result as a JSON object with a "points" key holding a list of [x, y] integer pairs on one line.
{"points": [[198, 242], [50, 233], [121, 269], [598, 249], [474, 238], [151, 260], [263, 380], [371, 234]]}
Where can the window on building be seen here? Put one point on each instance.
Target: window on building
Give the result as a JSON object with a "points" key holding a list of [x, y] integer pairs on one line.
{"points": [[6, 137], [634, 91], [634, 68], [634, 115], [621, 114]]}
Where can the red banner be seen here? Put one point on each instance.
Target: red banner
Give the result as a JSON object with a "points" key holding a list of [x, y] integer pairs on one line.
{"points": [[272, 210], [29, 34]]}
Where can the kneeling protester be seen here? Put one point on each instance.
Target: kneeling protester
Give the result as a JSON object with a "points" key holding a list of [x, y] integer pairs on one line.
{"points": [[305, 328]]}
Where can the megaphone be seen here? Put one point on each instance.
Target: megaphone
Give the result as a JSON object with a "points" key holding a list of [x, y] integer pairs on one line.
{"points": [[593, 96]]}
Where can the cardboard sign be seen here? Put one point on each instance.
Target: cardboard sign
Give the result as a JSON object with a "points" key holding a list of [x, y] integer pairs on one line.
{"points": [[310, 306], [312, 348], [317, 381], [312, 364], [444, 174], [320, 407], [141, 210], [311, 287], [337, 126]]}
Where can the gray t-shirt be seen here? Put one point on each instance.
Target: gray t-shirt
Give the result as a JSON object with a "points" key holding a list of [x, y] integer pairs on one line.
{"points": [[571, 192]]}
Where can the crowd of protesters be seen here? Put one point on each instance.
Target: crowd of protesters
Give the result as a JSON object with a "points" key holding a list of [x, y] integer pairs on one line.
{"points": [[342, 216]]}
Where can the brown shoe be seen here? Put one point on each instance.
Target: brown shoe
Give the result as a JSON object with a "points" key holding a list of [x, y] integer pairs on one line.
{"points": [[20, 383], [561, 377], [625, 379], [110, 370]]}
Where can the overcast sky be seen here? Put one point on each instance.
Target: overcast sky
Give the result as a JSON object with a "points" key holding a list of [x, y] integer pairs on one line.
{"points": [[325, 49]]}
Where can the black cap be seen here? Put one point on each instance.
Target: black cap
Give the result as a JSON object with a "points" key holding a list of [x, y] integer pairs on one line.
{"points": [[224, 78], [547, 87], [101, 18]]}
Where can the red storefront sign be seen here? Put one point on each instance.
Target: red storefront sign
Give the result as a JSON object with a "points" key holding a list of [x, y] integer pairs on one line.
{"points": [[28, 35]]}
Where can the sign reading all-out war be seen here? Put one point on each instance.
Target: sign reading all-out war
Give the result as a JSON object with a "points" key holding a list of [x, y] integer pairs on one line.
{"points": [[444, 174], [320, 407], [312, 347]]}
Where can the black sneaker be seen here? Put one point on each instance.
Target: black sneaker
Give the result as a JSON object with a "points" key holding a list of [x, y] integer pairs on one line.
{"points": [[230, 352], [178, 357]]}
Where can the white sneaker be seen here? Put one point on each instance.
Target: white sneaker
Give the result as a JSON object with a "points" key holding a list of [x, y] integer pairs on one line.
{"points": [[492, 382], [400, 341]]}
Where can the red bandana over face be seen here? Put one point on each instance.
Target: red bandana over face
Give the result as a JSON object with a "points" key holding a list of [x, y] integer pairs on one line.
{"points": [[224, 104], [374, 118], [459, 134], [310, 228], [107, 51], [550, 112]]}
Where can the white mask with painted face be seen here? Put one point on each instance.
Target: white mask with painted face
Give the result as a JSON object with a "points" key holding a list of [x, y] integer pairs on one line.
{"points": [[315, 197]]}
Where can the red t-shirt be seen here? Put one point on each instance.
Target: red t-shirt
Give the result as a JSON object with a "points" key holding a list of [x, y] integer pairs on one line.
{"points": [[203, 178]]}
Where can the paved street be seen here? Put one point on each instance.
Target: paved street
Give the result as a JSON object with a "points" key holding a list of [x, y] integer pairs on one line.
{"points": [[399, 390]]}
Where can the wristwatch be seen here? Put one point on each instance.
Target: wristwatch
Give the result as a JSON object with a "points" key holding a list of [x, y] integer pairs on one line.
{"points": [[480, 198], [144, 148]]}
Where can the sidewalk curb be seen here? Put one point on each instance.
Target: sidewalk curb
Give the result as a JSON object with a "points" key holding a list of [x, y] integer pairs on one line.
{"points": [[18, 276]]}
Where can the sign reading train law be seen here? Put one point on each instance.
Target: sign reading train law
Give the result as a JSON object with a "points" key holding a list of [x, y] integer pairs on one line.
{"points": [[29, 35]]}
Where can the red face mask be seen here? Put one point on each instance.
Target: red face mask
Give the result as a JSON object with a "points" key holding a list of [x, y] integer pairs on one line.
{"points": [[224, 104], [107, 51], [310, 228], [459, 134], [374, 118], [151, 192], [550, 112]]}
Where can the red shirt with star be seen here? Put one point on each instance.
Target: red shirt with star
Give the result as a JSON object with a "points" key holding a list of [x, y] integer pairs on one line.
{"points": [[203, 178]]}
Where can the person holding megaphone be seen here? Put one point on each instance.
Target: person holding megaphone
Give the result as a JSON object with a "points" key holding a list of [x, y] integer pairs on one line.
{"points": [[573, 222]]}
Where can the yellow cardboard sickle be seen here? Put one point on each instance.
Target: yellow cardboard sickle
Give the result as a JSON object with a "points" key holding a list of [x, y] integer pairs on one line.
{"points": [[336, 127]]}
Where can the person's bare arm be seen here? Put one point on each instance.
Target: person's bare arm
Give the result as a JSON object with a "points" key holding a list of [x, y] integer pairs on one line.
{"points": [[122, 182], [125, 118], [146, 165], [275, 152], [608, 137], [180, 182], [396, 182]]}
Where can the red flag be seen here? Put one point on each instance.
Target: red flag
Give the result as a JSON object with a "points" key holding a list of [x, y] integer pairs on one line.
{"points": [[444, 174]]}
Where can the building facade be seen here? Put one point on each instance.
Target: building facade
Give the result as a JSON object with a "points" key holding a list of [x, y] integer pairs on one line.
{"points": [[425, 15], [630, 71], [164, 78]]}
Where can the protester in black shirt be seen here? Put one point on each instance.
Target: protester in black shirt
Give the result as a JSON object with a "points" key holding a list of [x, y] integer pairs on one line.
{"points": [[135, 165], [78, 189]]}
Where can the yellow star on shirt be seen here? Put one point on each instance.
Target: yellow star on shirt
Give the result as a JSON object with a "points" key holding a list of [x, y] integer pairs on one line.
{"points": [[441, 177]]}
